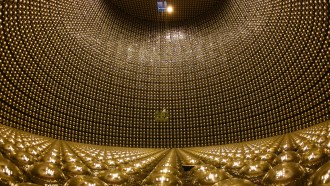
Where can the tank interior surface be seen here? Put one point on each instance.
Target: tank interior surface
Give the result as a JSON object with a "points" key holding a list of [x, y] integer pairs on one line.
{"points": [[297, 158], [164, 92]]}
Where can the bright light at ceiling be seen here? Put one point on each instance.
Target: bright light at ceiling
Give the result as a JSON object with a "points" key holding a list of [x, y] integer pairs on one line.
{"points": [[169, 9]]}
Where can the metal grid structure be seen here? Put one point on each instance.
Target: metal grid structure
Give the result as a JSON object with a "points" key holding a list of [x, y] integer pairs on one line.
{"points": [[88, 72], [183, 9]]}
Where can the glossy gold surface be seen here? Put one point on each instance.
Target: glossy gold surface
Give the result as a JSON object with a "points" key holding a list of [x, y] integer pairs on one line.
{"points": [[223, 71], [46, 173], [314, 158], [162, 180], [255, 170], [27, 184], [75, 168], [287, 173], [84, 181], [40, 160], [113, 176], [210, 177], [288, 156], [234, 182], [114, 92], [321, 177], [23, 158], [9, 173]]}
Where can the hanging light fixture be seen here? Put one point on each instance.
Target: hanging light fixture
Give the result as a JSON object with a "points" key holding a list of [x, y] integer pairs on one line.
{"points": [[169, 9], [163, 6]]}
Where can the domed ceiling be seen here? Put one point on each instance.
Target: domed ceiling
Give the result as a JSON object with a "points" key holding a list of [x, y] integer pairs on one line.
{"points": [[114, 73], [182, 9]]}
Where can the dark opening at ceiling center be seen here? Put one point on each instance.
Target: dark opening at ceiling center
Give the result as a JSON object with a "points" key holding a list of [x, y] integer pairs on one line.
{"points": [[165, 10]]}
